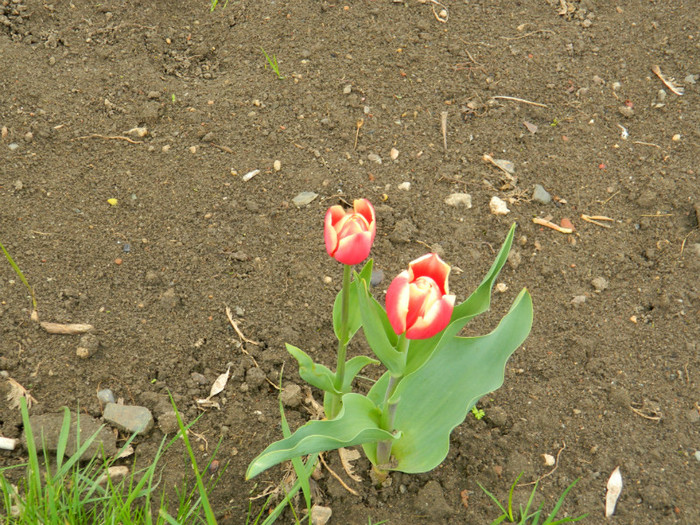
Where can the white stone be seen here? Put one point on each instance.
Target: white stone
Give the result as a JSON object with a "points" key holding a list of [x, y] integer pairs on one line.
{"points": [[498, 206]]}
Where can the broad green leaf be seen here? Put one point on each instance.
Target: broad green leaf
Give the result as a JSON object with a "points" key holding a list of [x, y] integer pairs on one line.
{"points": [[354, 317], [357, 423], [313, 373], [477, 303], [353, 367], [438, 397], [378, 331]]}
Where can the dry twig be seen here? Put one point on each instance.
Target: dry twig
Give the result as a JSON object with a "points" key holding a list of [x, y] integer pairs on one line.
{"points": [[516, 99], [669, 82], [556, 464], [594, 219], [443, 126], [336, 476], [550, 224], [357, 132], [98, 136], [235, 327]]}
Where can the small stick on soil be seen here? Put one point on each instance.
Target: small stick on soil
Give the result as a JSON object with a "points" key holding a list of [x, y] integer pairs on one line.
{"points": [[340, 480], [657, 215], [66, 329], [594, 219], [609, 198], [357, 132], [516, 99], [642, 414], [550, 224], [685, 239], [98, 136], [443, 126], [225, 149], [443, 15], [646, 144], [556, 464], [667, 81], [238, 331], [528, 34]]}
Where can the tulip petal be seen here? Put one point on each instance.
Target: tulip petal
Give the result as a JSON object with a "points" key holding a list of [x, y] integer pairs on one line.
{"points": [[353, 249], [397, 299], [330, 235], [430, 265], [434, 321], [364, 208]]}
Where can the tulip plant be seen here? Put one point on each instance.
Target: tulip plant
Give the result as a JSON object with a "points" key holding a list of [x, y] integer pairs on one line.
{"points": [[433, 377]]}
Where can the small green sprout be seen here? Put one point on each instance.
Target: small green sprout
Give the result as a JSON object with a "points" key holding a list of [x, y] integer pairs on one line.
{"points": [[272, 62], [478, 413]]}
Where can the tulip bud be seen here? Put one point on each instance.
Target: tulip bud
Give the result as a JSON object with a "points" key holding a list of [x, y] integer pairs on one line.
{"points": [[418, 301], [349, 234]]}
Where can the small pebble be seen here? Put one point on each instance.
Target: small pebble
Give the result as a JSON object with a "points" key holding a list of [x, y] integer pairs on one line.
{"points": [[118, 261], [28, 136], [626, 111], [347, 89], [377, 277], [697, 455], [277, 165], [405, 186], [373, 157], [539, 194], [126, 247], [105, 396], [394, 154], [498, 206], [304, 198], [13, 146], [578, 300], [327, 279], [193, 149], [599, 283], [459, 199]]}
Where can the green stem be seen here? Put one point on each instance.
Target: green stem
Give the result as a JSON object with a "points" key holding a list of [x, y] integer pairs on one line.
{"points": [[389, 409], [336, 401]]}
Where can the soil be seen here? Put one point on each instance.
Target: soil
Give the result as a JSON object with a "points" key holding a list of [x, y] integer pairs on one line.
{"points": [[609, 379]]}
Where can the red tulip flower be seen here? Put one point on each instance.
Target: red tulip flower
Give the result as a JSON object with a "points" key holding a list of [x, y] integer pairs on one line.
{"points": [[418, 301], [349, 234]]}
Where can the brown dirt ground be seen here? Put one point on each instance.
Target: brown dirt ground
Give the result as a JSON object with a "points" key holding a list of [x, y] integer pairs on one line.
{"points": [[199, 237]]}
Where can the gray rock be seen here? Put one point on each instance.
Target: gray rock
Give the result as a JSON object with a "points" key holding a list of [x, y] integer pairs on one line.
{"points": [[377, 277], [373, 157], [46, 428], [291, 396], [198, 378], [459, 199], [129, 418], [105, 396], [539, 194], [304, 198], [431, 501], [154, 95]]}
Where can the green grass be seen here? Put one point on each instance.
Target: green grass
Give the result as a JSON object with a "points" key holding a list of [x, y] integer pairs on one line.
{"points": [[19, 273], [65, 491], [524, 517], [215, 3], [272, 62]]}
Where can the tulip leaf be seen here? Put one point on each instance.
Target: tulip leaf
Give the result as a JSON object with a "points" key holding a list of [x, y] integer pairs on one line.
{"points": [[378, 332], [354, 318], [436, 398], [357, 423], [477, 303], [353, 367], [313, 373]]}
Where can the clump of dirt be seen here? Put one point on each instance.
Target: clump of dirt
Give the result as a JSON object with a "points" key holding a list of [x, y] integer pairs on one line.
{"points": [[165, 106]]}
